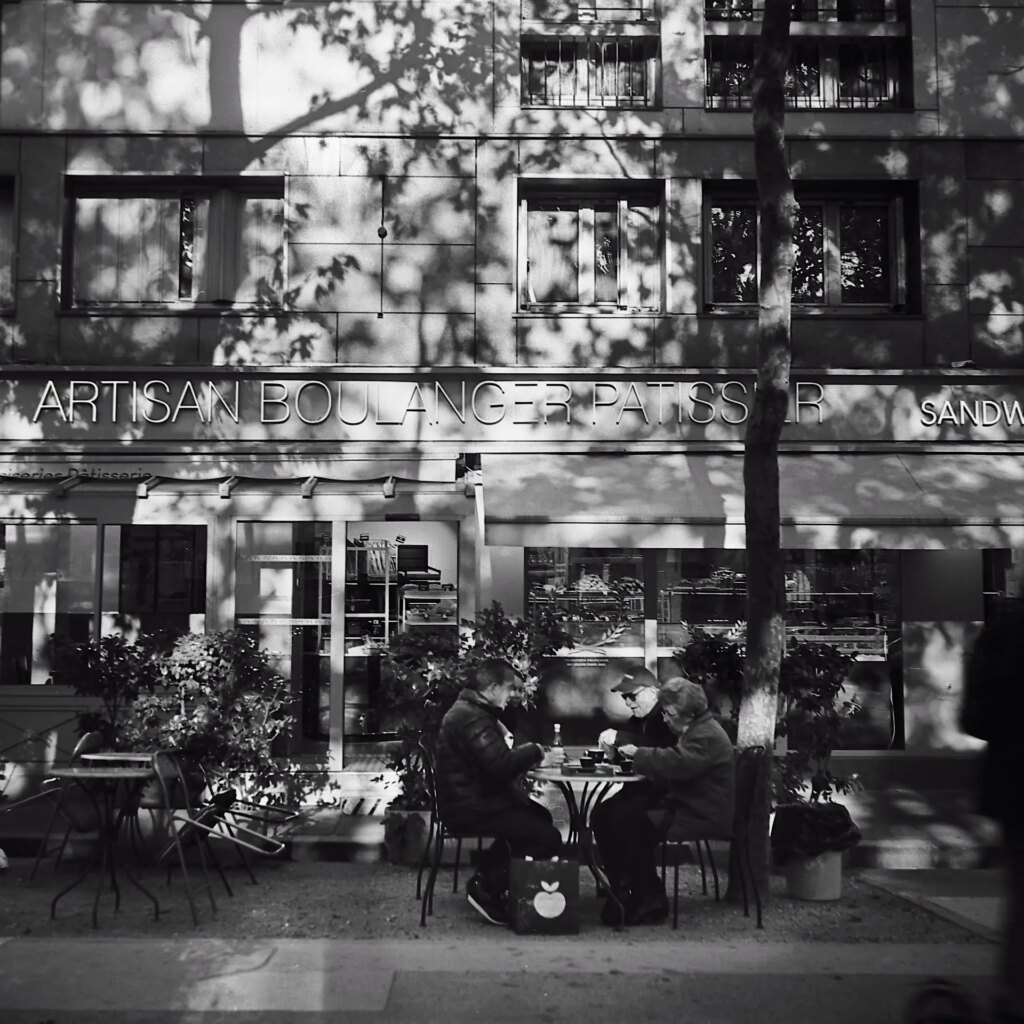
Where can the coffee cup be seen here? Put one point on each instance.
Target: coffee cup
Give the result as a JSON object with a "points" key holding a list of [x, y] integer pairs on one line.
{"points": [[586, 762], [626, 764], [596, 753]]}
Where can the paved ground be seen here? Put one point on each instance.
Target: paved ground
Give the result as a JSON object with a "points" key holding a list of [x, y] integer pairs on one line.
{"points": [[472, 972]]}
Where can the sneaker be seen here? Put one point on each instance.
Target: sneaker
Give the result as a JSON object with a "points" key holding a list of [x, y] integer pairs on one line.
{"points": [[490, 908]]}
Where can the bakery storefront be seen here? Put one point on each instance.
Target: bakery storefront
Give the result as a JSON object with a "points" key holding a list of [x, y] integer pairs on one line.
{"points": [[327, 511]]}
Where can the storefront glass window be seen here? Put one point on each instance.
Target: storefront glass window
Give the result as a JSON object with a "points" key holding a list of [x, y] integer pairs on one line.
{"points": [[47, 588], [283, 598], [399, 577], [161, 578], [598, 593]]}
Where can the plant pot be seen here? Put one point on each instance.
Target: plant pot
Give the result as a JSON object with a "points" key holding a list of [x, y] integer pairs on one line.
{"points": [[815, 878], [405, 836]]}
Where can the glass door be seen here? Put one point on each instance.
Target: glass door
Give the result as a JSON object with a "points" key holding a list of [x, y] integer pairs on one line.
{"points": [[283, 597]]}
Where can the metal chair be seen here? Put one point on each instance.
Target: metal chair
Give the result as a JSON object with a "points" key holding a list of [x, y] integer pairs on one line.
{"points": [[177, 810], [749, 763], [437, 833], [78, 812]]}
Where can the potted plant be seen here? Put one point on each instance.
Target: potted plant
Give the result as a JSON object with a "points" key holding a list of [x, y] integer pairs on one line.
{"points": [[111, 674], [422, 672], [221, 705], [811, 830]]}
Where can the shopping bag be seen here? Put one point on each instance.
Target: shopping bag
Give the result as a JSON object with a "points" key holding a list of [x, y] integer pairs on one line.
{"points": [[545, 896]]}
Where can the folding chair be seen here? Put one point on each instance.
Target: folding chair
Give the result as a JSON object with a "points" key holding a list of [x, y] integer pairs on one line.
{"points": [[78, 812], [176, 805], [749, 764]]}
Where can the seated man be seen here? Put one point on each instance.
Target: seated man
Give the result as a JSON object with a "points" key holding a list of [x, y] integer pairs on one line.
{"points": [[479, 791], [693, 787], [639, 689]]}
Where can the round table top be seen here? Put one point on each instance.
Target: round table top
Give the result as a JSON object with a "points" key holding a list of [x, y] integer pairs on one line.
{"points": [[113, 772], [571, 773], [130, 756]]}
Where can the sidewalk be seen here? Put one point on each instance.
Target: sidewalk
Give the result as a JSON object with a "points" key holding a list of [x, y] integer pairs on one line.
{"points": [[340, 942]]}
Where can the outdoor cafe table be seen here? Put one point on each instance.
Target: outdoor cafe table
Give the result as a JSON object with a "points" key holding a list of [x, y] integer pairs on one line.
{"points": [[103, 784], [594, 786]]}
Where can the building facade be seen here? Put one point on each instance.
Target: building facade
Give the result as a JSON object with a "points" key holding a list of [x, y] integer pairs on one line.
{"points": [[332, 320]]}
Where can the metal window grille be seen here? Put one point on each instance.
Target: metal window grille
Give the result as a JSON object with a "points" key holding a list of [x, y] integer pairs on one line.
{"points": [[809, 10], [605, 72], [823, 75]]}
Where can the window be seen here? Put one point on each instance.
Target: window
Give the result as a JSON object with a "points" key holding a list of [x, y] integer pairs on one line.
{"points": [[161, 584], [850, 250], [567, 71], [594, 250], [174, 243], [47, 589], [7, 243], [845, 55]]}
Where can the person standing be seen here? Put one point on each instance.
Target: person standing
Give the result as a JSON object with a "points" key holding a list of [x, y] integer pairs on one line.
{"points": [[479, 785], [993, 710]]}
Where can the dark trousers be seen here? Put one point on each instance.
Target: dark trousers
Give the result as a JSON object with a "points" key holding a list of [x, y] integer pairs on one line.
{"points": [[522, 831], [628, 841]]}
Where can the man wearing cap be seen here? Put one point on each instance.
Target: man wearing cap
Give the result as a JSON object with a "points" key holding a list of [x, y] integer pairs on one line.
{"points": [[692, 789], [639, 689]]}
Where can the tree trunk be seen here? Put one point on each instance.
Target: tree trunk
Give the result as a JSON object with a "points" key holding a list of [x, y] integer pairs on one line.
{"points": [[765, 567]]}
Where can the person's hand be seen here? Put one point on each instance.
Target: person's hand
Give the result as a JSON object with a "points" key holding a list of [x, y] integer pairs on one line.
{"points": [[554, 758], [628, 750], [607, 742]]}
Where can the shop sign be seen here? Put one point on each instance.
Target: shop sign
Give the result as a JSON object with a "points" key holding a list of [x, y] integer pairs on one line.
{"points": [[398, 404], [504, 405]]}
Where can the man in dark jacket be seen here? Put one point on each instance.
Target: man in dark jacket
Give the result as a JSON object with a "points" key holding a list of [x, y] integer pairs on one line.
{"points": [[693, 787], [639, 689], [479, 788], [993, 711]]}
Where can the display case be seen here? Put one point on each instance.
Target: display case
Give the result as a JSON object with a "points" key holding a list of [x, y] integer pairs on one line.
{"points": [[597, 594], [421, 606]]}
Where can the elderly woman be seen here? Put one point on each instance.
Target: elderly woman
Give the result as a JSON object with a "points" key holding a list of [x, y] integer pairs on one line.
{"points": [[693, 788]]}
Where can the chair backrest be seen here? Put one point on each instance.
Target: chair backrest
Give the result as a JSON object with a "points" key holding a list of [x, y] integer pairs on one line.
{"points": [[426, 762], [173, 784], [90, 743], [749, 763]]}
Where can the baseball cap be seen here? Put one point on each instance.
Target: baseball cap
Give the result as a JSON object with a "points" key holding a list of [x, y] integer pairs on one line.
{"points": [[634, 679]]}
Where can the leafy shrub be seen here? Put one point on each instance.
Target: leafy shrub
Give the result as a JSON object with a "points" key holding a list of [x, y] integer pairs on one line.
{"points": [[422, 672]]}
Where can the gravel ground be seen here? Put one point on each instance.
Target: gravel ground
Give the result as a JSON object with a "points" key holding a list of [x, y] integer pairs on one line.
{"points": [[376, 901]]}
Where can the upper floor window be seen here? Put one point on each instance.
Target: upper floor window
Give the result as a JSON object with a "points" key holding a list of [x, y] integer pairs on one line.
{"points": [[577, 71], [175, 242], [7, 243], [590, 249], [850, 250], [844, 55]]}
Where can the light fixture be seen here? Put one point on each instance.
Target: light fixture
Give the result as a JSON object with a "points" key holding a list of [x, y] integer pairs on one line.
{"points": [[143, 488], [65, 485], [309, 486], [225, 487], [388, 487]]}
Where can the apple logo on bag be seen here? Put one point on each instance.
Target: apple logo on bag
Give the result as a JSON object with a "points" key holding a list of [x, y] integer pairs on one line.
{"points": [[549, 902]]}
